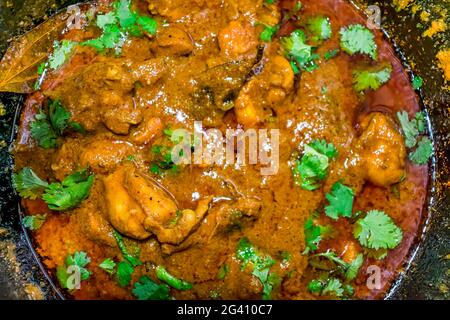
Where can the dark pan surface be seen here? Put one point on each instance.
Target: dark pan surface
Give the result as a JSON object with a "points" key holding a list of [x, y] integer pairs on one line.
{"points": [[427, 274]]}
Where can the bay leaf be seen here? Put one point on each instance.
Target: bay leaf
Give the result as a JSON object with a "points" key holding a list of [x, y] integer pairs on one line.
{"points": [[18, 68]]}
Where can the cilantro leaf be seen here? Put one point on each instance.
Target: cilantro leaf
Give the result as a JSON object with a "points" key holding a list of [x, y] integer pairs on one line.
{"points": [[423, 152], [121, 244], [417, 82], [331, 54], [333, 288], [325, 148], [371, 79], [111, 38], [28, 184], [348, 270], [261, 264], [313, 166], [358, 39], [315, 286], [124, 272], [341, 201], [314, 234], [163, 275], [42, 131], [59, 117], [354, 266], [298, 51], [328, 287], [146, 289], [268, 33], [409, 128], [223, 271], [34, 222], [320, 27], [147, 24], [104, 19], [118, 24], [126, 17], [272, 281], [45, 130], [70, 192], [61, 52], [79, 260], [108, 265], [377, 231]]}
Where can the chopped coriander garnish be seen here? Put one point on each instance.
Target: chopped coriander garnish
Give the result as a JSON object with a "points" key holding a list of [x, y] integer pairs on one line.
{"points": [[147, 289], [314, 234], [124, 272], [123, 248], [320, 27], [79, 260], [348, 270], [118, 24], [28, 184], [417, 82], [163, 275], [333, 288], [328, 287], [70, 192], [423, 152], [260, 264], [354, 266], [410, 128], [377, 231], [341, 201], [42, 131], [108, 265], [312, 168], [411, 131], [34, 222], [358, 39], [61, 52], [371, 79], [45, 130], [298, 52], [268, 33], [223, 271], [331, 54]]}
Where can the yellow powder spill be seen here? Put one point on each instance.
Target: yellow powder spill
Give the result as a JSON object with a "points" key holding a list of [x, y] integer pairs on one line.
{"points": [[444, 62], [425, 16], [436, 27], [401, 4]]}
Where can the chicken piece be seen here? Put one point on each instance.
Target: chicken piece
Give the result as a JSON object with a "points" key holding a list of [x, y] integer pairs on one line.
{"points": [[172, 41], [222, 218], [148, 72], [123, 212], [264, 92], [180, 227], [146, 131], [119, 113], [94, 224], [103, 155], [238, 40], [382, 150], [139, 207]]}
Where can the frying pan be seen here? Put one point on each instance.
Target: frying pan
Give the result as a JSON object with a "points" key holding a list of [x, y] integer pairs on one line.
{"points": [[426, 273]]}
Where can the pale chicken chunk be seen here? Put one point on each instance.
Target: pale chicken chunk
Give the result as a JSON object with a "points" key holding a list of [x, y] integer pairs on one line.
{"points": [[139, 207], [265, 91], [382, 150], [238, 40]]}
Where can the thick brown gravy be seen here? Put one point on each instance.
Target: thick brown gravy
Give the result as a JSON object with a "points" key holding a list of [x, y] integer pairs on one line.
{"points": [[124, 103]]}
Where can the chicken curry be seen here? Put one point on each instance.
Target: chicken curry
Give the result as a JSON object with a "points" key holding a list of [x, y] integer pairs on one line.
{"points": [[114, 216]]}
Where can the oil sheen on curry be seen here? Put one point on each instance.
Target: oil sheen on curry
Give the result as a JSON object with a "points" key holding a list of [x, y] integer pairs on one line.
{"points": [[113, 215]]}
